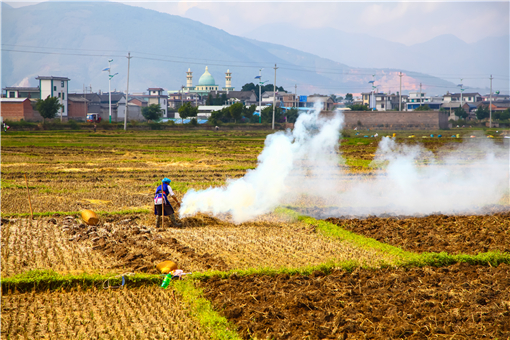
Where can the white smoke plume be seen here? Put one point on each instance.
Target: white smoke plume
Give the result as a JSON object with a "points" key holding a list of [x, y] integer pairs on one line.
{"points": [[306, 163]]}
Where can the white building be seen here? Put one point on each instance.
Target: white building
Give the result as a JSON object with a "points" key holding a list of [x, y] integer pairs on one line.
{"points": [[156, 96], [55, 87]]}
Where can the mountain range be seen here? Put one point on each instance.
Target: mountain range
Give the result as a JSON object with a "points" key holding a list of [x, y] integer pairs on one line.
{"points": [[76, 39], [444, 56]]}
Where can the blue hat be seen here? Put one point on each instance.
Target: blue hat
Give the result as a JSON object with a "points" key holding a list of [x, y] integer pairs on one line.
{"points": [[166, 180]]}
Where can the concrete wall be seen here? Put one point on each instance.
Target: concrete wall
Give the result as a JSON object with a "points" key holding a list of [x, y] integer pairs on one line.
{"points": [[395, 120]]}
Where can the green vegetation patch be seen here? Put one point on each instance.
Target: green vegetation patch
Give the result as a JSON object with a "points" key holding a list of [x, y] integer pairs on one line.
{"points": [[201, 309], [42, 280]]}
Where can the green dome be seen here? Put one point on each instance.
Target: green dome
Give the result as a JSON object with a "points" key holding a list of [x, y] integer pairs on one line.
{"points": [[206, 79]]}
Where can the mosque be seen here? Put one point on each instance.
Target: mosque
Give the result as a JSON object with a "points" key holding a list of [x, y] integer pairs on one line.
{"points": [[206, 83]]}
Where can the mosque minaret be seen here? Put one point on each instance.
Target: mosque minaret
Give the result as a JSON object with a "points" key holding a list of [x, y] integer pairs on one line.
{"points": [[206, 83]]}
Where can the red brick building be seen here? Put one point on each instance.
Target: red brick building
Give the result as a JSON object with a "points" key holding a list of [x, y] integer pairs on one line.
{"points": [[16, 109], [78, 108]]}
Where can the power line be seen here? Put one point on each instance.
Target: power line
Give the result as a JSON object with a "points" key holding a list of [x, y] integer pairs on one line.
{"points": [[310, 69]]}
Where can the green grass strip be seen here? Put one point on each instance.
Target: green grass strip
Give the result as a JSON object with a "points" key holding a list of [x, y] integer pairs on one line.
{"points": [[405, 258], [42, 280], [78, 213], [216, 325]]}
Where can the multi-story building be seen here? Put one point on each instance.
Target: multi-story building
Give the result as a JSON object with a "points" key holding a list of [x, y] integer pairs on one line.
{"points": [[466, 97], [417, 99], [21, 92], [55, 87], [156, 96]]}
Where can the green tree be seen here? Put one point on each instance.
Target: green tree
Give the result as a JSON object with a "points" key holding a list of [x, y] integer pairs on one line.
{"points": [[292, 115], [209, 100], [423, 108], [217, 100], [249, 111], [215, 117], [249, 87], [505, 115], [267, 114], [358, 107], [333, 98], [223, 99], [482, 112], [152, 112], [187, 111], [348, 97], [236, 111], [48, 107], [460, 112]]}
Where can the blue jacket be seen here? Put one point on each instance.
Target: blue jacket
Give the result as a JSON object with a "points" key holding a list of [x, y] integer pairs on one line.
{"points": [[165, 193]]}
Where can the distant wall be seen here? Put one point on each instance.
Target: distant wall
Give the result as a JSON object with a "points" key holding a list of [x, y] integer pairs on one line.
{"points": [[395, 120], [77, 110], [16, 111]]}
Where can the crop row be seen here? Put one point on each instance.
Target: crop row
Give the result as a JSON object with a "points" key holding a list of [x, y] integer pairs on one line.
{"points": [[143, 313]]}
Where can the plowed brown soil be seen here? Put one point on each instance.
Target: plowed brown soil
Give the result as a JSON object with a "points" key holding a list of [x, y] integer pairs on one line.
{"points": [[437, 233], [457, 302]]}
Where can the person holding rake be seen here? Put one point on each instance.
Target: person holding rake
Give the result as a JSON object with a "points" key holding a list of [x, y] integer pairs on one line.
{"points": [[162, 206]]}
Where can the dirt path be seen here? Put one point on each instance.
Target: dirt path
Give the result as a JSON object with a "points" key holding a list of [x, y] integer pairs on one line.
{"points": [[458, 302]]}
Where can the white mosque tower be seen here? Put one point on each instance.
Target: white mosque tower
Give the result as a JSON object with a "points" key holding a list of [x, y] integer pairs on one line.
{"points": [[189, 79], [228, 82]]}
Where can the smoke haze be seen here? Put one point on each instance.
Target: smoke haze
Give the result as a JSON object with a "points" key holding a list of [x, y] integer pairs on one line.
{"points": [[303, 167]]}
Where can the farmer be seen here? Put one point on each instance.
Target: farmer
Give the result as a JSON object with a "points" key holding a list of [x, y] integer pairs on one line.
{"points": [[160, 199]]}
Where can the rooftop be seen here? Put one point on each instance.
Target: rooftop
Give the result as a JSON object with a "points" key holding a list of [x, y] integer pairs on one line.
{"points": [[19, 88], [52, 78], [13, 100]]}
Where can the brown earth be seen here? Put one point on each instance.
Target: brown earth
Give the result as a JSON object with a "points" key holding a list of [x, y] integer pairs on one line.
{"points": [[137, 248], [457, 302], [437, 233]]}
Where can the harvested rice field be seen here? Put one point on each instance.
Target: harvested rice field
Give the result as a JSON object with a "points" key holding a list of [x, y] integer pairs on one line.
{"points": [[281, 275], [131, 244], [141, 313]]}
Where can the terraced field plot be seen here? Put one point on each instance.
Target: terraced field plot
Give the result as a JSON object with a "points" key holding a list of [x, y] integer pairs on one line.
{"points": [[130, 243], [116, 173], [461, 301], [437, 233], [140, 313]]}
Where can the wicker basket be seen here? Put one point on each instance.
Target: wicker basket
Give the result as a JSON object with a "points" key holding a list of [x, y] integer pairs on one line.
{"points": [[89, 217], [166, 267]]}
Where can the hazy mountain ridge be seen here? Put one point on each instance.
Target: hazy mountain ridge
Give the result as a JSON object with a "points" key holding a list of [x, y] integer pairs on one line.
{"points": [[445, 56], [89, 29]]}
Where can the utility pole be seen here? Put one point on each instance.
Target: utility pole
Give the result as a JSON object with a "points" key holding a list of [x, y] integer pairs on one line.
{"points": [[260, 96], [490, 105], [274, 92], [110, 90], [461, 90], [127, 93], [295, 95], [420, 94], [400, 94]]}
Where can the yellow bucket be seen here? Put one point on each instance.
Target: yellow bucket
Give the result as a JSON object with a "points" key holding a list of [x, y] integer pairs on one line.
{"points": [[89, 217], [166, 267]]}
